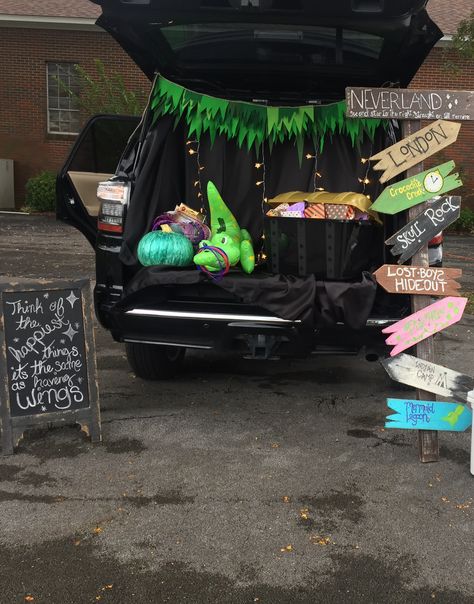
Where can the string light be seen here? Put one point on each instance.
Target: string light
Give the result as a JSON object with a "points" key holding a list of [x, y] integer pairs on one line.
{"points": [[192, 152], [309, 156], [365, 180], [196, 183], [363, 160], [258, 166], [259, 183]]}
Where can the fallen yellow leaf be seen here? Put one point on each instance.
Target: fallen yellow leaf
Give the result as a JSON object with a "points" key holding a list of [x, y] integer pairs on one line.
{"points": [[286, 499], [275, 445], [288, 548], [97, 530], [29, 599]]}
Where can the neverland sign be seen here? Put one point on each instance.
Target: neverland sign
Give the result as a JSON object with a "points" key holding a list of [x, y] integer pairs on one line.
{"points": [[399, 103]]}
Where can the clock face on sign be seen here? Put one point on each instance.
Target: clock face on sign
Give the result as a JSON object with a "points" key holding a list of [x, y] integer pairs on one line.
{"points": [[433, 182]]}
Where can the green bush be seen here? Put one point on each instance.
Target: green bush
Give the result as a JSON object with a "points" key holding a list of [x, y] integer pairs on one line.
{"points": [[41, 192], [465, 223]]}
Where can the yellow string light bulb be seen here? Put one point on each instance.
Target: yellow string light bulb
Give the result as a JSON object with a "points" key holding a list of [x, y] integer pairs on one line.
{"points": [[196, 183], [309, 156], [318, 174], [192, 152], [201, 168], [259, 183], [363, 160], [258, 166]]}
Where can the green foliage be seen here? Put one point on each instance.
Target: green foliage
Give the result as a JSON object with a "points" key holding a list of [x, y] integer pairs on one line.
{"points": [[465, 223], [251, 125], [462, 46], [463, 39], [105, 93], [41, 192]]}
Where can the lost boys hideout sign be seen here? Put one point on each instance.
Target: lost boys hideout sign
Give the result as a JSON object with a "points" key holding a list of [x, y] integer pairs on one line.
{"points": [[47, 358]]}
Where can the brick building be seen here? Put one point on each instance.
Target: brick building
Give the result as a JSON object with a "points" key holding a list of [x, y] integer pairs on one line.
{"points": [[41, 40]]}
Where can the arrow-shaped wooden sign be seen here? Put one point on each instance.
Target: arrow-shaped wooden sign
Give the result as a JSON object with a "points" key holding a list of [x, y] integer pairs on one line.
{"points": [[416, 234], [417, 373], [427, 415], [424, 323], [416, 148], [419, 280], [417, 189]]}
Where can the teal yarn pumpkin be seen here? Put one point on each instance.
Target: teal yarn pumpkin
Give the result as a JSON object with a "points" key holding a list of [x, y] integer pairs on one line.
{"points": [[166, 249]]}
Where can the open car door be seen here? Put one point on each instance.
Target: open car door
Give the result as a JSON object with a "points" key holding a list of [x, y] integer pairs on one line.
{"points": [[94, 158]]}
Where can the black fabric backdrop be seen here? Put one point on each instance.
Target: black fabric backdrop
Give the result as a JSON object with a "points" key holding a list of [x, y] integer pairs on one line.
{"points": [[166, 175]]}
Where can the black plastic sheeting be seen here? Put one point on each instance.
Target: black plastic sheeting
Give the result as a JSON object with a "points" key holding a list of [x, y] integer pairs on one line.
{"points": [[315, 303], [166, 175]]}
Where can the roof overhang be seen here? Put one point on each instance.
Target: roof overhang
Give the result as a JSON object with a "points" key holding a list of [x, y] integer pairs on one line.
{"points": [[60, 23]]}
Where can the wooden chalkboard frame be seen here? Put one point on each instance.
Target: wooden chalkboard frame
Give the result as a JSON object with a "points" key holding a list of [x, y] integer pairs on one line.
{"points": [[12, 428]]}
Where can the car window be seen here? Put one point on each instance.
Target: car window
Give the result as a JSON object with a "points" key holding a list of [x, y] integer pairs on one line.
{"points": [[102, 144], [269, 44]]}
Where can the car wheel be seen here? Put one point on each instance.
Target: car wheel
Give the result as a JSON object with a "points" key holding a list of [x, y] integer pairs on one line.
{"points": [[151, 362]]}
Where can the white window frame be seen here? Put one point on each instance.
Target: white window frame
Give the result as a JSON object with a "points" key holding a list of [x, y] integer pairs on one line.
{"points": [[71, 106]]}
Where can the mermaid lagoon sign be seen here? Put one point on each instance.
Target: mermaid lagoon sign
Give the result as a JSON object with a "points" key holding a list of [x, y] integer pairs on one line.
{"points": [[399, 103]]}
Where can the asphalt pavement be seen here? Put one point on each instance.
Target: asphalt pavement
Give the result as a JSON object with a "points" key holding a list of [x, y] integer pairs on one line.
{"points": [[238, 482]]}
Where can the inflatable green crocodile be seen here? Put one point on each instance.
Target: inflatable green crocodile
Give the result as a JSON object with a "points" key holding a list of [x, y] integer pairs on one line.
{"points": [[235, 242]]}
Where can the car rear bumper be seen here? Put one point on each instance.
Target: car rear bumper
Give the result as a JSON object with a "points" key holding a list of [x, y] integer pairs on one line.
{"points": [[251, 333]]}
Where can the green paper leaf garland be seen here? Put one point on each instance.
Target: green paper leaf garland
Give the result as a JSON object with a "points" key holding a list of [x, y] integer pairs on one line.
{"points": [[252, 125]]}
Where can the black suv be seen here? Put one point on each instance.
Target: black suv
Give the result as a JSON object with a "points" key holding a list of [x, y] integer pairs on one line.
{"points": [[274, 53]]}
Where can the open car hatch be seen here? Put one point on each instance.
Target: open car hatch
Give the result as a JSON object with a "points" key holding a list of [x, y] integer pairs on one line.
{"points": [[274, 49]]}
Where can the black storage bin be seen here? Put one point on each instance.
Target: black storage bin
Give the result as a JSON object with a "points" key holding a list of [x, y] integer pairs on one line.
{"points": [[328, 249]]}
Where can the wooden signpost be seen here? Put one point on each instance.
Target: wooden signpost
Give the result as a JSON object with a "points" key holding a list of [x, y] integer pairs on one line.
{"points": [[47, 359], [403, 104], [416, 148], [428, 415], [418, 232], [417, 189], [412, 106], [419, 280], [430, 377], [424, 323]]}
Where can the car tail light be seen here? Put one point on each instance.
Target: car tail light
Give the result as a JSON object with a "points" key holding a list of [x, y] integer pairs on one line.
{"points": [[438, 240], [111, 217], [114, 196]]}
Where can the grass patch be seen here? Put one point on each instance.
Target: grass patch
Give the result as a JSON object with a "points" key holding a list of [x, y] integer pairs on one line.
{"points": [[470, 305]]}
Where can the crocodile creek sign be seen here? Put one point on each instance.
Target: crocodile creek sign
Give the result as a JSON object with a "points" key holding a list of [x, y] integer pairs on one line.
{"points": [[418, 189], [416, 148], [404, 104]]}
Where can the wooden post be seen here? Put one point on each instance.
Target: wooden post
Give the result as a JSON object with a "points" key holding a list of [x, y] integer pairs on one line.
{"points": [[427, 439]]}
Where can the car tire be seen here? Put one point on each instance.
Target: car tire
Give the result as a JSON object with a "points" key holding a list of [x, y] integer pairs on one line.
{"points": [[150, 362]]}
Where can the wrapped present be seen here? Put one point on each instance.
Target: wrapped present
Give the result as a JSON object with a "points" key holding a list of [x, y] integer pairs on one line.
{"points": [[296, 210], [339, 212], [277, 211], [315, 210]]}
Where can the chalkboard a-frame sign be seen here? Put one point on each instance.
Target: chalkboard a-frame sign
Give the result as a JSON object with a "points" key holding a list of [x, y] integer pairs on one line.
{"points": [[47, 358]]}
